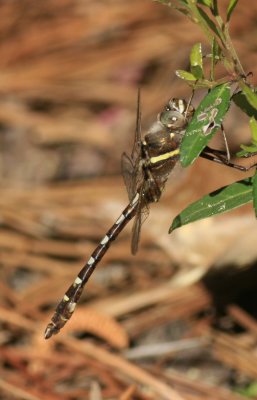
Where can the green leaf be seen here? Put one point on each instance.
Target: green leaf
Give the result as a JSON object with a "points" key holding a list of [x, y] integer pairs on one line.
{"points": [[171, 3], [230, 9], [249, 149], [187, 76], [165, 2], [179, 5], [215, 10], [206, 121], [207, 3], [196, 61], [217, 202], [255, 192], [250, 95], [242, 102], [246, 150], [249, 391], [182, 2], [253, 127], [209, 22]]}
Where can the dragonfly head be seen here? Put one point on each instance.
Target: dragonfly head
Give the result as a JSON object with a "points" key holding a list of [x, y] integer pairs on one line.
{"points": [[176, 115]]}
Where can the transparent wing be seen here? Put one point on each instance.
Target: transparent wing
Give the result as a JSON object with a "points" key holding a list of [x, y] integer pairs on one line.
{"points": [[134, 179], [137, 140], [141, 215], [128, 173], [130, 165]]}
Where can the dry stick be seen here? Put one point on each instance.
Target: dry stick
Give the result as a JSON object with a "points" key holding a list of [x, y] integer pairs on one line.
{"points": [[20, 393], [100, 325], [230, 351], [129, 392], [17, 242], [37, 263], [14, 318], [167, 348], [22, 223], [122, 366], [202, 389], [174, 309], [53, 196], [243, 318], [165, 292]]}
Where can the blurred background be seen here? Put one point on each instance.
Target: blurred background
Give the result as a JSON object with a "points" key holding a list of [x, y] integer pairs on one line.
{"points": [[69, 75]]}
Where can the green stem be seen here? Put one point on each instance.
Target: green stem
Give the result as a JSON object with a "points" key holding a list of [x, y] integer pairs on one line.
{"points": [[232, 57], [232, 51], [198, 19]]}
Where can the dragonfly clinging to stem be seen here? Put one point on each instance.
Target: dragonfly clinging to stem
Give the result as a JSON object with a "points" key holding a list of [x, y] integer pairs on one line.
{"points": [[145, 173]]}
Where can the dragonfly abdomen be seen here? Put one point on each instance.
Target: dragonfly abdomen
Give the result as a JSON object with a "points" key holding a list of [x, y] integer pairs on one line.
{"points": [[66, 307]]}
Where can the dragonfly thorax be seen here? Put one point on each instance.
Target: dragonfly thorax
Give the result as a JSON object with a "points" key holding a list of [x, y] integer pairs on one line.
{"points": [[160, 153], [160, 143], [160, 147]]}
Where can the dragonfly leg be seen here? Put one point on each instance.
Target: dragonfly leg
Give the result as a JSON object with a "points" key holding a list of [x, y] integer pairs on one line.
{"points": [[225, 142], [219, 157], [189, 103]]}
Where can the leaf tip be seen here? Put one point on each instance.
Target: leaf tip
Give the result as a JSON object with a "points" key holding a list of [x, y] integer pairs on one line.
{"points": [[176, 223]]}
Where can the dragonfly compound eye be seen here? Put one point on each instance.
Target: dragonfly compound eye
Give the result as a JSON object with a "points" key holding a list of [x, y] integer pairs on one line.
{"points": [[172, 119]]}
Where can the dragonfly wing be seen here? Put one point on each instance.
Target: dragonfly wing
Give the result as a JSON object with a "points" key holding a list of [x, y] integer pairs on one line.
{"points": [[141, 215], [136, 229], [128, 173], [130, 165], [137, 140]]}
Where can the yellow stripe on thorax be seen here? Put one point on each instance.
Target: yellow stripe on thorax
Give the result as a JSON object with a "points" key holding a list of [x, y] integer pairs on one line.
{"points": [[164, 156]]}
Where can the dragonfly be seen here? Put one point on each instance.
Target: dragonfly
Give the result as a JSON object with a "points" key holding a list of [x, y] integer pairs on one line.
{"points": [[145, 172]]}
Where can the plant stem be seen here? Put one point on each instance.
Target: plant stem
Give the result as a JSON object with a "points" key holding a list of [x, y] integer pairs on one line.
{"points": [[198, 19], [231, 50]]}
